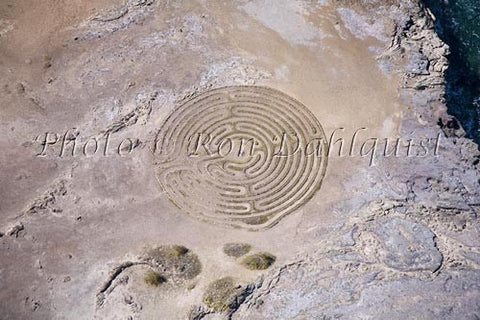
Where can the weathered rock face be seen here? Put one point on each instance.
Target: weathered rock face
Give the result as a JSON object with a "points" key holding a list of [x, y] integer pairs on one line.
{"points": [[400, 257], [335, 293], [406, 245], [86, 232]]}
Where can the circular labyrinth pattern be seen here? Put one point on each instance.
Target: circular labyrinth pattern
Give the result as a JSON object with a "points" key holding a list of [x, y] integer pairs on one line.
{"points": [[244, 156]]}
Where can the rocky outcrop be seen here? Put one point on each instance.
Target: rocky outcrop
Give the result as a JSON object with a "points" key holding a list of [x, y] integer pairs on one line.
{"points": [[410, 245]]}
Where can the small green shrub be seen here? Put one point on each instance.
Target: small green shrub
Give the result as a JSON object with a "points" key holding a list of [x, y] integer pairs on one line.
{"points": [[154, 278], [258, 261], [175, 261], [221, 294], [236, 249], [176, 251]]}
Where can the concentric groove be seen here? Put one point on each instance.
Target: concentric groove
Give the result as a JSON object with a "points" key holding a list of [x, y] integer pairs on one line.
{"points": [[218, 156]]}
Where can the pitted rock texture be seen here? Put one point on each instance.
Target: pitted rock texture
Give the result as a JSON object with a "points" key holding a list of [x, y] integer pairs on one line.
{"points": [[407, 246], [363, 297]]}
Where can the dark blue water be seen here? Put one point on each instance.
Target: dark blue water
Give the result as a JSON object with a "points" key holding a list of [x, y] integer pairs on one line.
{"points": [[458, 25]]}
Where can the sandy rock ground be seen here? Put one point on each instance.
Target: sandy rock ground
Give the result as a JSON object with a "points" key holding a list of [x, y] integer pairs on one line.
{"points": [[393, 237]]}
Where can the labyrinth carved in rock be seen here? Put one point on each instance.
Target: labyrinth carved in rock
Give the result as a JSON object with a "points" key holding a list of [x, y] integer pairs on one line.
{"points": [[243, 156]]}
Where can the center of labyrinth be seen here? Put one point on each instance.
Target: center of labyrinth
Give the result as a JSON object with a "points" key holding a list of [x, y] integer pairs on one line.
{"points": [[243, 156]]}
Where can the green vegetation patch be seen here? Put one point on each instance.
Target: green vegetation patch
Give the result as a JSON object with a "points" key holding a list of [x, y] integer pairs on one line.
{"points": [[258, 261], [221, 295], [236, 249], [174, 261], [154, 278]]}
